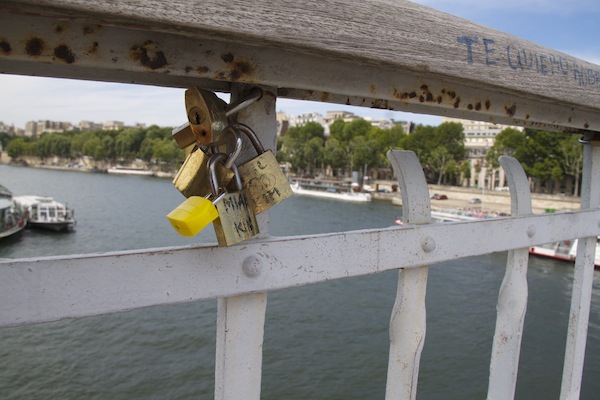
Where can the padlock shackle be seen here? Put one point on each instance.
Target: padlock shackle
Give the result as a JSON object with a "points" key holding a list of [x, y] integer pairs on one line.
{"points": [[254, 95], [214, 180], [213, 148], [252, 136], [237, 148]]}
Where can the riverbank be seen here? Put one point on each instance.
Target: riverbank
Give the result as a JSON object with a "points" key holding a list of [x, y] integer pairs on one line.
{"points": [[458, 197], [490, 201]]}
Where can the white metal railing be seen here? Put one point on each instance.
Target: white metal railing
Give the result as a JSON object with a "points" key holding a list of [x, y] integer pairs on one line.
{"points": [[144, 42]]}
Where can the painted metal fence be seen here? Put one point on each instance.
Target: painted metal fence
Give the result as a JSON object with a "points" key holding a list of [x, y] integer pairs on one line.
{"points": [[234, 47]]}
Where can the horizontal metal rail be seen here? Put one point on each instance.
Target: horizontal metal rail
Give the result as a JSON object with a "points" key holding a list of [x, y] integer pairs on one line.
{"points": [[51, 288]]}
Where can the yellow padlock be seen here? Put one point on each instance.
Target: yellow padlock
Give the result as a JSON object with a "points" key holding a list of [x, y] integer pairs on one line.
{"points": [[193, 215]]}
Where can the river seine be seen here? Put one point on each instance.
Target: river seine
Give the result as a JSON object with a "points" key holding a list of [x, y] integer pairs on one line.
{"points": [[324, 341]]}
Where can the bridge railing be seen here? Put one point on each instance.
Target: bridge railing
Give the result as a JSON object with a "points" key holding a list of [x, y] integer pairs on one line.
{"points": [[329, 54]]}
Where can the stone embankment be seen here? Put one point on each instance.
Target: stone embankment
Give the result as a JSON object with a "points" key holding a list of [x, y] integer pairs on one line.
{"points": [[491, 201]]}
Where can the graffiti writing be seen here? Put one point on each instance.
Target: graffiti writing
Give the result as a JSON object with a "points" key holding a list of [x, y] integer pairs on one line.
{"points": [[488, 52]]}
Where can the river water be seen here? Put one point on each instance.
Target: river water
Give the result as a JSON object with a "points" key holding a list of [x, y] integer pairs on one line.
{"points": [[325, 341]]}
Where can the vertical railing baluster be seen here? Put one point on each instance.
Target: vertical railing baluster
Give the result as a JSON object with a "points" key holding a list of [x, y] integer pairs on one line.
{"points": [[408, 324], [512, 299], [583, 278], [241, 319]]}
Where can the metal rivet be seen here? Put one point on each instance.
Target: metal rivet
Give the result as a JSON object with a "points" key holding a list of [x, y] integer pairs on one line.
{"points": [[530, 230], [252, 266], [428, 244]]}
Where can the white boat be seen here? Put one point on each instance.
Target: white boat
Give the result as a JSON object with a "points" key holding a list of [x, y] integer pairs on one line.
{"points": [[47, 213], [565, 250], [454, 215], [129, 171], [329, 190], [12, 218]]}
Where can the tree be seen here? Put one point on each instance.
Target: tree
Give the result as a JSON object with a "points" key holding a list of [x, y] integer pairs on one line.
{"points": [[573, 159], [439, 159], [335, 154], [300, 146], [541, 157]]}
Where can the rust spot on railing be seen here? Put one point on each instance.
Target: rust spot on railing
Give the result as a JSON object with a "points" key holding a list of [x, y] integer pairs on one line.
{"points": [[64, 53], [240, 68], [373, 90], [148, 55], [5, 47], [457, 101], [227, 57], [34, 46], [325, 96], [586, 125], [202, 69], [93, 49], [510, 109]]}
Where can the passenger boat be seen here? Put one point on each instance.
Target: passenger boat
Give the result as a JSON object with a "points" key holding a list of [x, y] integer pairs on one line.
{"points": [[454, 215], [564, 250], [12, 219], [330, 190], [129, 171], [47, 213]]}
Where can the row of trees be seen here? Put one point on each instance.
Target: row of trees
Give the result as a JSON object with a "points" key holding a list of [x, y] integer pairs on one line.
{"points": [[353, 145], [152, 144], [553, 161]]}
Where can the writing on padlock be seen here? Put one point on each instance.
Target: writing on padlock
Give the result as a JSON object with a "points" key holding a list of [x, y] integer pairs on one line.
{"points": [[262, 177], [206, 116], [192, 179], [236, 221]]}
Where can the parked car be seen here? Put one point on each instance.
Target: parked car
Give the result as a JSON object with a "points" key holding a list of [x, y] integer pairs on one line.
{"points": [[437, 196], [475, 201]]}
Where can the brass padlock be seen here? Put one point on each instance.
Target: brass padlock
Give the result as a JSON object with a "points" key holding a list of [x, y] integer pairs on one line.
{"points": [[206, 116], [236, 221], [184, 136], [192, 179], [262, 176]]}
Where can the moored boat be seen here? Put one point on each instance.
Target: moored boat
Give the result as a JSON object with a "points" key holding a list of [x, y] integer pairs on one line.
{"points": [[564, 250], [330, 190], [12, 219], [120, 170], [47, 213]]}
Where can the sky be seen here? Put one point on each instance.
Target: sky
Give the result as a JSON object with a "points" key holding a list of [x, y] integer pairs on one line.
{"points": [[569, 27]]}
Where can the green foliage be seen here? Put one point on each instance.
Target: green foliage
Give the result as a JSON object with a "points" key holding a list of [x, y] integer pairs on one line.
{"points": [[437, 147], [548, 158], [151, 144]]}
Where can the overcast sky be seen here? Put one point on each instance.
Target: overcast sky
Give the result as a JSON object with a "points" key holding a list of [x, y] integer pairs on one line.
{"points": [[569, 27]]}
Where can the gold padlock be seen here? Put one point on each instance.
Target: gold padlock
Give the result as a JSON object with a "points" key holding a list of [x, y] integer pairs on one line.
{"points": [[262, 176], [183, 135], [192, 179], [236, 221], [206, 115]]}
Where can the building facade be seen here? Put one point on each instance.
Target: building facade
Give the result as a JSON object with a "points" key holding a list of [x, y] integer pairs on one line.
{"points": [[480, 136]]}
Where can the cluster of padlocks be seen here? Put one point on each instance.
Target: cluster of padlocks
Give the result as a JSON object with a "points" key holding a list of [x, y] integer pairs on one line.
{"points": [[217, 190]]}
